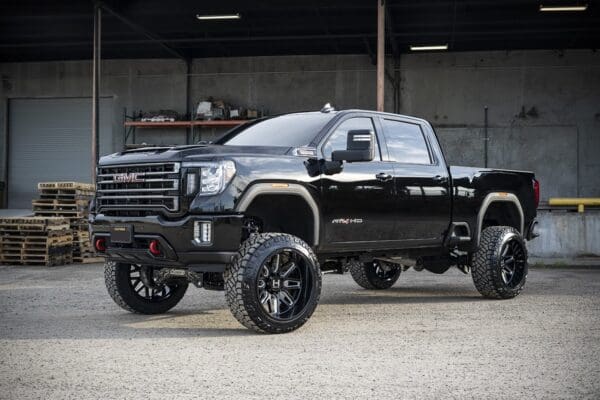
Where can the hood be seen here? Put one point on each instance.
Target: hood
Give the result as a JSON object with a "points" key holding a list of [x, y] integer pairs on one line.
{"points": [[189, 153]]}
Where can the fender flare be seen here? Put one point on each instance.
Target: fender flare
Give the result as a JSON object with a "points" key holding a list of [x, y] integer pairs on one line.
{"points": [[279, 188], [495, 197]]}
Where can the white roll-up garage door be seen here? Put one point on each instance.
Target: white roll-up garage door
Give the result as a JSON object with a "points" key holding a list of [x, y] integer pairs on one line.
{"points": [[50, 140]]}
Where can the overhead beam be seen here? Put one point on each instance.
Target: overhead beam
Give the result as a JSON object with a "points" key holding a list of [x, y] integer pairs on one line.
{"points": [[380, 54], [140, 29], [475, 36]]}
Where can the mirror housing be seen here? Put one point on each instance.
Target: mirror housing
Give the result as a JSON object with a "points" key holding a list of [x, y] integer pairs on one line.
{"points": [[359, 147]]}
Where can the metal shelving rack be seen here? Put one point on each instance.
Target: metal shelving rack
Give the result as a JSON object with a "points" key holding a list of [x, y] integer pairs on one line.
{"points": [[132, 126]]}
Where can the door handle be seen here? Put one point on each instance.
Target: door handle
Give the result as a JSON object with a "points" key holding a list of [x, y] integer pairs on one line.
{"points": [[383, 177], [440, 179]]}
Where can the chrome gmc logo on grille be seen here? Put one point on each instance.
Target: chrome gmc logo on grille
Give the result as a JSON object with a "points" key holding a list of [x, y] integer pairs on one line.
{"points": [[130, 177]]}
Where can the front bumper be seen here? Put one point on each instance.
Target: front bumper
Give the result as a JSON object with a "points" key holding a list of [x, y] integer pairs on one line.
{"points": [[175, 238]]}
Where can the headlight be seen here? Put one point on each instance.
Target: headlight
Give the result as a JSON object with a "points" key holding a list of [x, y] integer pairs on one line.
{"points": [[213, 176]]}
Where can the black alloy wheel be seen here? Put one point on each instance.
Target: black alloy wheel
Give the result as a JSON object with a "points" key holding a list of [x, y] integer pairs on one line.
{"points": [[374, 275], [136, 288], [274, 283], [284, 284], [512, 263], [499, 266]]}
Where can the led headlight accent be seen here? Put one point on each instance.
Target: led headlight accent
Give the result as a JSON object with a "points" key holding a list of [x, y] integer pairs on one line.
{"points": [[214, 176], [203, 232], [192, 183]]}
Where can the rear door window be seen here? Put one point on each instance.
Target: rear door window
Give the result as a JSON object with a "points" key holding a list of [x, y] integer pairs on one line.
{"points": [[406, 142]]}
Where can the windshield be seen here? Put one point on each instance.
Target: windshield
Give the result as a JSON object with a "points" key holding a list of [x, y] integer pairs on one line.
{"points": [[290, 130]]}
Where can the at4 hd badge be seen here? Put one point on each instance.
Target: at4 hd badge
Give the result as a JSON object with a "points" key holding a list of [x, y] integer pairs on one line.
{"points": [[347, 221]]}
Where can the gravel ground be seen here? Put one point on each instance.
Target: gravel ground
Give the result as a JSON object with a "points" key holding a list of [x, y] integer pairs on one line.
{"points": [[431, 336]]}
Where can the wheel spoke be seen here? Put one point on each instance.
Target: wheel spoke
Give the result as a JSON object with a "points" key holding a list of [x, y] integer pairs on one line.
{"points": [[264, 296], [292, 284], [274, 304], [286, 299], [275, 268], [288, 269], [265, 271]]}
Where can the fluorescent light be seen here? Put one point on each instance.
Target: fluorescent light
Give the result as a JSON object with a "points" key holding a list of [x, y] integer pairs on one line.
{"points": [[563, 8], [217, 17], [427, 48]]}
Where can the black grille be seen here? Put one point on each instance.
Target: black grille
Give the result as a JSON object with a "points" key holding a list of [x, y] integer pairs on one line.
{"points": [[138, 189]]}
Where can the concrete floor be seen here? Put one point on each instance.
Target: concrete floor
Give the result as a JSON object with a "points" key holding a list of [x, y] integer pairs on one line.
{"points": [[428, 337]]}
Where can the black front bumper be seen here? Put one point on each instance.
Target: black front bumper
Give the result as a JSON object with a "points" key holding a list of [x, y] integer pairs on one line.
{"points": [[175, 238]]}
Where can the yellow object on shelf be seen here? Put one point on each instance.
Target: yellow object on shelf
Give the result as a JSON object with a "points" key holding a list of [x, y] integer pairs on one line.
{"points": [[581, 203]]}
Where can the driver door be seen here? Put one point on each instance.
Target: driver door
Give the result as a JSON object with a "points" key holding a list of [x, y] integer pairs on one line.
{"points": [[357, 203]]}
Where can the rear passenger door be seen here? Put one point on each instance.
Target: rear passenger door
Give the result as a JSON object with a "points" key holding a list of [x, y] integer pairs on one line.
{"points": [[421, 181]]}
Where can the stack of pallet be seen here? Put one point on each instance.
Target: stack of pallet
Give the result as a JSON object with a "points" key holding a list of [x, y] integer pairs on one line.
{"points": [[69, 200], [36, 241]]}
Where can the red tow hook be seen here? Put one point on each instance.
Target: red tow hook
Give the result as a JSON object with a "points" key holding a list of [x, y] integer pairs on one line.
{"points": [[100, 244], [154, 248]]}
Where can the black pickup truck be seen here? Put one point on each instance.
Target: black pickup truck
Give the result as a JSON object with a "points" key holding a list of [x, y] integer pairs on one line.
{"points": [[266, 209]]}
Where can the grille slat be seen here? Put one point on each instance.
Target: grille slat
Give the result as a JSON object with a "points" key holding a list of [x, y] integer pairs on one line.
{"points": [[123, 189]]}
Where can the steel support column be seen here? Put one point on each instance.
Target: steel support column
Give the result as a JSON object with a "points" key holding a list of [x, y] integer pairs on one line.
{"points": [[380, 54], [96, 88]]}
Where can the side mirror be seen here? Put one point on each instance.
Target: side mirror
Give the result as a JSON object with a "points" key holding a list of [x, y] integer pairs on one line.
{"points": [[359, 147]]}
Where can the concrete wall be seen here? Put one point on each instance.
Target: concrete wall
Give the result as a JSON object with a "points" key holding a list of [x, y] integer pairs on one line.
{"points": [[567, 234], [558, 135], [559, 139]]}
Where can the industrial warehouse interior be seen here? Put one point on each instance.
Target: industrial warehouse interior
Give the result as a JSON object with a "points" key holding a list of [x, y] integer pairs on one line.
{"points": [[104, 104]]}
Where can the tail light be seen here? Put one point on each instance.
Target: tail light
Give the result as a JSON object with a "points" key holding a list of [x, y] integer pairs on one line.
{"points": [[536, 192]]}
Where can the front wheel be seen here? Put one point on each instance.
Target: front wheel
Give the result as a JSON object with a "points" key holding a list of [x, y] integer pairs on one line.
{"points": [[499, 266], [135, 288], [374, 275], [274, 284]]}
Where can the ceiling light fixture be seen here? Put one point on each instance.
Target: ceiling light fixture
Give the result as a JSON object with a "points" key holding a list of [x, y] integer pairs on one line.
{"points": [[218, 17], [582, 7], [427, 48]]}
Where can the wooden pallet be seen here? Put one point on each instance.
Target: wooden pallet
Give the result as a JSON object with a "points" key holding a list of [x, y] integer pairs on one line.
{"points": [[62, 207], [47, 241], [65, 194], [46, 202], [61, 213], [37, 221], [66, 185]]}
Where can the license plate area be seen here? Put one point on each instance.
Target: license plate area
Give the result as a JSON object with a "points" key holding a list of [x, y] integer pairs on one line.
{"points": [[121, 234]]}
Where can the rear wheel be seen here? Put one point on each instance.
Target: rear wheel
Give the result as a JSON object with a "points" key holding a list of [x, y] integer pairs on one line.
{"points": [[374, 275], [135, 288], [499, 266], [274, 283]]}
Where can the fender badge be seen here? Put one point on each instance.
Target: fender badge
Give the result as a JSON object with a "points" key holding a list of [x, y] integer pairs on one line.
{"points": [[347, 221]]}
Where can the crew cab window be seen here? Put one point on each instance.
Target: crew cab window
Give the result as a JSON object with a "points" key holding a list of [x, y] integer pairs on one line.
{"points": [[338, 140], [405, 142]]}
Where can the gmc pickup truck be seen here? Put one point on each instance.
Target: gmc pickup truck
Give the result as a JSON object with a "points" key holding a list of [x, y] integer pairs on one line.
{"points": [[262, 212]]}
